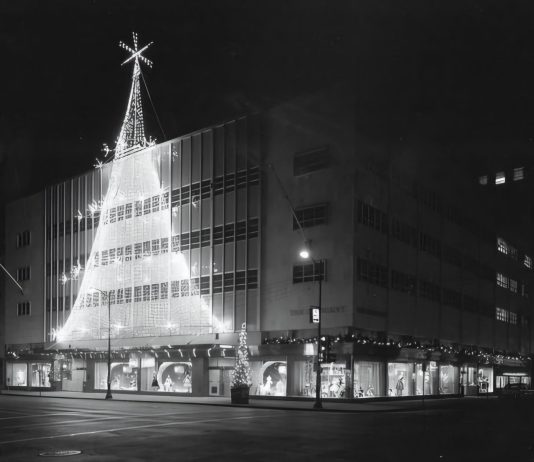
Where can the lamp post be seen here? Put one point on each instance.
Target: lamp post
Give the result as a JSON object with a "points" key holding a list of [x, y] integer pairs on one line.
{"points": [[305, 254], [106, 294]]}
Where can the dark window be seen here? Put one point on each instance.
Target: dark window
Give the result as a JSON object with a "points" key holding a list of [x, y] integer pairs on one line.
{"points": [[311, 161], [403, 282], [175, 289], [23, 274], [311, 216], [164, 290], [452, 298], [138, 293], [371, 272], [309, 272], [154, 295], [372, 217], [217, 283], [146, 293], [24, 238], [429, 244], [23, 309], [429, 290], [240, 280], [228, 281], [252, 282], [120, 296], [204, 285]]}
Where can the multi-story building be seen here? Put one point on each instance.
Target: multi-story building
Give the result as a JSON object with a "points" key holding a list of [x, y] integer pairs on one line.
{"points": [[171, 249]]}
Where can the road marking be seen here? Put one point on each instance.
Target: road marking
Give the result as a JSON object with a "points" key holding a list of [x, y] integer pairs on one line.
{"points": [[91, 419], [25, 416], [136, 427]]}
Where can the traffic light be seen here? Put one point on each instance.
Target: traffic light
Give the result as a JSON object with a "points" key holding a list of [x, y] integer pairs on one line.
{"points": [[322, 350]]}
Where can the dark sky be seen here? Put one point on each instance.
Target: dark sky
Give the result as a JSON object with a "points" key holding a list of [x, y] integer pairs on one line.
{"points": [[458, 73]]}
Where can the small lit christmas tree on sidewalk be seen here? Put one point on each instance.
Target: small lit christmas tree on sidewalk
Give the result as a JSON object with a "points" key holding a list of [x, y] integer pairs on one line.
{"points": [[241, 377]]}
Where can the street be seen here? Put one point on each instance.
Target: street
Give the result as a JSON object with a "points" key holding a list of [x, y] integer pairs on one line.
{"points": [[456, 430]]}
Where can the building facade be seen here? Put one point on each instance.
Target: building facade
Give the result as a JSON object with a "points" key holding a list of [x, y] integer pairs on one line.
{"points": [[170, 250]]}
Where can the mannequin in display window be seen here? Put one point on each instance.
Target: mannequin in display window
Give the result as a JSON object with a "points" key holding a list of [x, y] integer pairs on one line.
{"points": [[187, 383], [168, 384], [266, 387], [400, 386], [155, 384]]}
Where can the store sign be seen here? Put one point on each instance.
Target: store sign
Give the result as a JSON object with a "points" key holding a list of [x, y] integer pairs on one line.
{"points": [[315, 314]]}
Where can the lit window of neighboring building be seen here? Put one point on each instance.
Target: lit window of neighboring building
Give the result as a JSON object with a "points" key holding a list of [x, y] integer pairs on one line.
{"points": [[502, 280], [513, 286], [500, 178], [527, 262], [519, 174], [483, 180], [513, 317], [501, 315], [502, 246]]}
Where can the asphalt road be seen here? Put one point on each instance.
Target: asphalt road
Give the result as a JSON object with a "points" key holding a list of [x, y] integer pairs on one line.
{"points": [[456, 430]]}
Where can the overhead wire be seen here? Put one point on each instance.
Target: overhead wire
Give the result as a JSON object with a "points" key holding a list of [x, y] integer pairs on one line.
{"points": [[152, 104]]}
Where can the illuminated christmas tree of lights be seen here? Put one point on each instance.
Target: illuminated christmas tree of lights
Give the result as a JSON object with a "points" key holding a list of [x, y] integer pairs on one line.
{"points": [[133, 260]]}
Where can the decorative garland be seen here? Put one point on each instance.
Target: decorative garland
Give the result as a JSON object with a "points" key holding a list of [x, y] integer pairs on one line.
{"points": [[405, 342]]}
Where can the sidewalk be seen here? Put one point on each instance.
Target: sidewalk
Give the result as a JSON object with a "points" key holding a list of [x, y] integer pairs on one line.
{"points": [[259, 403]]}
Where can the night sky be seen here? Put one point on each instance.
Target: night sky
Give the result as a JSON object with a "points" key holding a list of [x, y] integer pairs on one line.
{"points": [[455, 73]]}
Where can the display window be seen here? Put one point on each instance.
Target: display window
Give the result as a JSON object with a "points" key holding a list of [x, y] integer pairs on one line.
{"points": [[175, 377], [368, 379], [448, 379], [509, 378], [269, 378], [149, 376], [123, 376], [485, 380], [40, 375], [469, 376], [333, 380], [17, 374], [302, 378], [400, 379], [426, 378]]}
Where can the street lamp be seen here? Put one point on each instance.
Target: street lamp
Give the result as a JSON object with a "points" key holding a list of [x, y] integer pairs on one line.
{"points": [[106, 295], [305, 254]]}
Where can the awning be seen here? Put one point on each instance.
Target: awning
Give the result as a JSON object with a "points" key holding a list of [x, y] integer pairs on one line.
{"points": [[153, 342]]}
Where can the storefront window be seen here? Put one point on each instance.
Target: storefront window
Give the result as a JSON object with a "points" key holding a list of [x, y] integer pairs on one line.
{"points": [[175, 377], [123, 376], [333, 381], [16, 375], [426, 378], [148, 374], [485, 380], [368, 378], [501, 381], [448, 379], [269, 378], [40, 374], [220, 376], [400, 379], [302, 378], [469, 376]]}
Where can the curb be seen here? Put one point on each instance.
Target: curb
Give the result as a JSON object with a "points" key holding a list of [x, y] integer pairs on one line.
{"points": [[245, 406]]}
